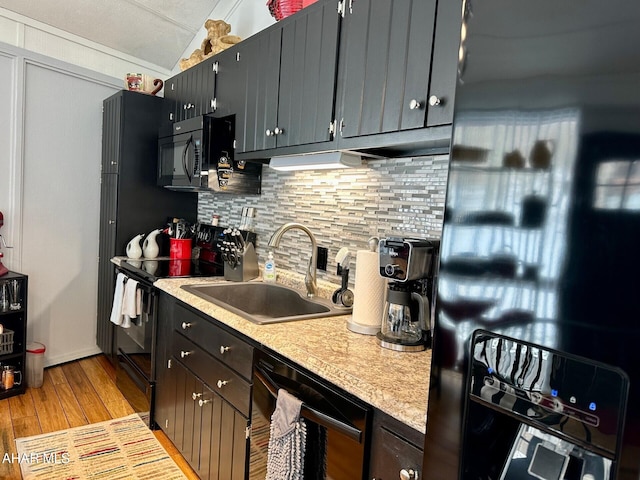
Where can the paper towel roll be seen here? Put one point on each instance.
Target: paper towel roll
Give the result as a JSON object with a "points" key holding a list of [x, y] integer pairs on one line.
{"points": [[369, 294]]}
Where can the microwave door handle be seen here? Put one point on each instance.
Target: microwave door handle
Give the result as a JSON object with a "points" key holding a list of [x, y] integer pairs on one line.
{"points": [[310, 413], [184, 158]]}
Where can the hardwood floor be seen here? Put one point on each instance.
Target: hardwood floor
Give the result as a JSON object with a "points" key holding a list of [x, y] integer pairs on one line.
{"points": [[74, 394]]}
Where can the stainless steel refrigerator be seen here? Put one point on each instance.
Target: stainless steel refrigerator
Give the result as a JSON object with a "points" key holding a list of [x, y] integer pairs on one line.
{"points": [[536, 368]]}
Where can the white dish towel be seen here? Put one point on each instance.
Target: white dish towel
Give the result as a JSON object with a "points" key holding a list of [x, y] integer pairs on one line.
{"points": [[131, 302], [288, 434], [118, 294]]}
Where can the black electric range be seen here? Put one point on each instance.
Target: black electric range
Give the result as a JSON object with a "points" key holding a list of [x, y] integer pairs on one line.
{"points": [[152, 270]]}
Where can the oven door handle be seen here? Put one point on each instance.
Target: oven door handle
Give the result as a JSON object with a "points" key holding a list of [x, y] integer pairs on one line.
{"points": [[310, 413]]}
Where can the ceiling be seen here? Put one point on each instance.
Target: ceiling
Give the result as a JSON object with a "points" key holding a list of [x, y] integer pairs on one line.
{"points": [[157, 31]]}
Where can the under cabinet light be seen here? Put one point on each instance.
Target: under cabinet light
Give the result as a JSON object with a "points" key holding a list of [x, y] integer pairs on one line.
{"points": [[315, 161]]}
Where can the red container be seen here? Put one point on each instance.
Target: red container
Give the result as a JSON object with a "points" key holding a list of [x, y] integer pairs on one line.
{"points": [[179, 268], [180, 248]]}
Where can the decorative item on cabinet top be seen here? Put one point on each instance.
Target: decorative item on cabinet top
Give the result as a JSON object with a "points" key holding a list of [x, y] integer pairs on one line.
{"points": [[217, 40], [280, 9], [139, 82]]}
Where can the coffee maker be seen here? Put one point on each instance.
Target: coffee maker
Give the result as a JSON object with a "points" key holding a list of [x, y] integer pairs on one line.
{"points": [[410, 265]]}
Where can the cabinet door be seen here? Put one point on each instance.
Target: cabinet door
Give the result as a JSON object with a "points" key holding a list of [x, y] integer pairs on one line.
{"points": [[180, 378], [170, 104], [106, 270], [385, 65], [260, 56], [308, 63], [206, 86], [165, 387], [231, 82], [445, 62], [111, 134]]}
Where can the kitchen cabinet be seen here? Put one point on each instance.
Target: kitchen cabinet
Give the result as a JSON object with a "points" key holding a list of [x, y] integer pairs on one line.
{"points": [[189, 94], [396, 450], [13, 340], [381, 80], [130, 201], [290, 81], [397, 72], [204, 391]]}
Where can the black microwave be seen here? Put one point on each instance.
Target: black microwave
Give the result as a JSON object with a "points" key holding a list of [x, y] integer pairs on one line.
{"points": [[199, 157]]}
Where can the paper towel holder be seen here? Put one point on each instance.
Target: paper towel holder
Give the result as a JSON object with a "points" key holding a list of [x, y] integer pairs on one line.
{"points": [[354, 326]]}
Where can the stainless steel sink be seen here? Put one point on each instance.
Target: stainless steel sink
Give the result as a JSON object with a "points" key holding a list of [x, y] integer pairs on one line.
{"points": [[265, 302]]}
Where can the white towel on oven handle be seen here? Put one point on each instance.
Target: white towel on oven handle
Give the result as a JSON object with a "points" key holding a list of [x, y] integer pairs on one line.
{"points": [[118, 294], [131, 303]]}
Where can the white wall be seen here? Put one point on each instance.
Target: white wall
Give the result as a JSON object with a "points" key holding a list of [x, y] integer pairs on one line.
{"points": [[50, 155], [246, 17], [52, 85]]}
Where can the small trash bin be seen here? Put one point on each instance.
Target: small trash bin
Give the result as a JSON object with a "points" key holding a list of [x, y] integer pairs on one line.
{"points": [[35, 364]]}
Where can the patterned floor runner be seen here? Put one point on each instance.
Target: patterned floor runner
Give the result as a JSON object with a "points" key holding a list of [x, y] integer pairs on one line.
{"points": [[118, 449]]}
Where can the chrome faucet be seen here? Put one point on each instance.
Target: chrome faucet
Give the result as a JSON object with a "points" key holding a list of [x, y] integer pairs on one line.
{"points": [[310, 276]]}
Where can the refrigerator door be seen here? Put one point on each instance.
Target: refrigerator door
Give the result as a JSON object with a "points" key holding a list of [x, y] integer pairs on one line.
{"points": [[542, 211]]}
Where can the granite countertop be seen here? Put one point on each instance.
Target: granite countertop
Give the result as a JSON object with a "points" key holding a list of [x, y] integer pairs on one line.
{"points": [[395, 382]]}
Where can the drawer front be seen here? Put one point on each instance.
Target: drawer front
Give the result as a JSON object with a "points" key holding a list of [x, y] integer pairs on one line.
{"points": [[220, 378], [219, 343], [391, 454]]}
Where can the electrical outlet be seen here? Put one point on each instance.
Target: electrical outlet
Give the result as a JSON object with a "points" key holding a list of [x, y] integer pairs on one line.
{"points": [[323, 256]]}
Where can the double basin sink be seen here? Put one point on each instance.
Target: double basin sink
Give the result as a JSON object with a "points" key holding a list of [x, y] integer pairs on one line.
{"points": [[265, 302]]}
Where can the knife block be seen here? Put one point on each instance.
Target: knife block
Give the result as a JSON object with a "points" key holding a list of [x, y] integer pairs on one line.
{"points": [[246, 268]]}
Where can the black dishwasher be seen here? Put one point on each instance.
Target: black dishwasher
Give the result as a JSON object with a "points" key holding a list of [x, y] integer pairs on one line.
{"points": [[344, 418]]}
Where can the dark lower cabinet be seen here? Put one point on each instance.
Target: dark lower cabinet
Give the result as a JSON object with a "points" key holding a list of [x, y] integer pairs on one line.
{"points": [[396, 450], [202, 404], [208, 431]]}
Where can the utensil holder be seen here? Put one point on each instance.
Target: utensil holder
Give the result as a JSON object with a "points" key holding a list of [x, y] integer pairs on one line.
{"points": [[246, 267]]}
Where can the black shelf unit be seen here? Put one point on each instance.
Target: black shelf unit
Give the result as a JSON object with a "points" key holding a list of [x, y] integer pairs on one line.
{"points": [[16, 321]]}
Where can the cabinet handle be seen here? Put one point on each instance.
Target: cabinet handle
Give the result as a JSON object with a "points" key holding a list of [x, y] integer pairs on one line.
{"points": [[186, 325], [112, 222], [223, 349], [268, 133], [408, 474], [185, 354], [195, 395], [415, 104], [278, 131], [222, 383], [435, 101], [202, 402], [113, 162]]}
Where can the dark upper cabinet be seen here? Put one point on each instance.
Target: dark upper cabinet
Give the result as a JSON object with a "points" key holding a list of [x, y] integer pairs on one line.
{"points": [[231, 82], [291, 80], [189, 94], [385, 64], [371, 81]]}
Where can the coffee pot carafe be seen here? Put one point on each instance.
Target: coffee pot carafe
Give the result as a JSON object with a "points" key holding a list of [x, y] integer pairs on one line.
{"points": [[404, 318]]}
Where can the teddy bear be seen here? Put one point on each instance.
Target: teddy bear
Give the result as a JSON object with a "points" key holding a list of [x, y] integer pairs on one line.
{"points": [[217, 39]]}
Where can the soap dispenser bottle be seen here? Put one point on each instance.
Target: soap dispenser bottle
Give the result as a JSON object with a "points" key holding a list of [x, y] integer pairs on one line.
{"points": [[269, 274]]}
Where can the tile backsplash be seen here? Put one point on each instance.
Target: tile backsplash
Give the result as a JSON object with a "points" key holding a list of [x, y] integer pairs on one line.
{"points": [[343, 208]]}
